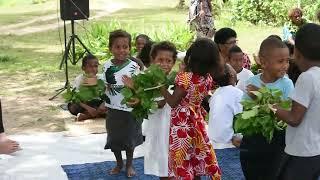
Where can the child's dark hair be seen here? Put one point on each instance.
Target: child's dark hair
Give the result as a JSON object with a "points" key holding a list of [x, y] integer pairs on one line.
{"points": [[144, 55], [234, 49], [293, 70], [164, 46], [269, 44], [223, 79], [143, 36], [119, 33], [308, 41], [290, 46], [275, 36], [202, 57], [223, 34], [87, 58]]}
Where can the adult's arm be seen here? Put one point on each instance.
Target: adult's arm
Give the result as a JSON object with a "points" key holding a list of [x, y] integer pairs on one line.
{"points": [[287, 35]]}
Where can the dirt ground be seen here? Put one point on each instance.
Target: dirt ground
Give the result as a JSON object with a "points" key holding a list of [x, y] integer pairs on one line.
{"points": [[32, 111], [25, 105]]}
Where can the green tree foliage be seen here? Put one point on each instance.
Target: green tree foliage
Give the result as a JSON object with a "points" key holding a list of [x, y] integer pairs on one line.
{"points": [[272, 12], [96, 38]]}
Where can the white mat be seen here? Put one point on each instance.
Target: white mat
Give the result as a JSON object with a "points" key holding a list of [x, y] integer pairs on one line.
{"points": [[44, 153]]}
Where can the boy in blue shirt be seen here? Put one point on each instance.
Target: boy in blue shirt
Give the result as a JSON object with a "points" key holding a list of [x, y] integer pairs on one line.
{"points": [[259, 158]]}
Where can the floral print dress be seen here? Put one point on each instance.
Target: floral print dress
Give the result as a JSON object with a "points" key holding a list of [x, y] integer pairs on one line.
{"points": [[190, 151]]}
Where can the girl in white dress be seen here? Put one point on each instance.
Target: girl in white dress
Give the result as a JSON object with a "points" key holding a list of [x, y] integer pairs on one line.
{"points": [[157, 128]]}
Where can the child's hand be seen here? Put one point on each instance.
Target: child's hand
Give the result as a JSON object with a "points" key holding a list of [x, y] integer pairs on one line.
{"points": [[273, 108], [101, 109], [161, 103], [250, 88], [133, 102], [127, 81], [90, 81], [236, 141], [93, 112], [163, 90]]}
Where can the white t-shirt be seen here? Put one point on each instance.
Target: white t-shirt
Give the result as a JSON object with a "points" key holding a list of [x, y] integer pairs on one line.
{"points": [[242, 78], [112, 75], [224, 105], [304, 140], [79, 79]]}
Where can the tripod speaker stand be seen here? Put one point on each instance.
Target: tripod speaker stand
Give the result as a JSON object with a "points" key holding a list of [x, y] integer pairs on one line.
{"points": [[69, 50], [71, 10]]}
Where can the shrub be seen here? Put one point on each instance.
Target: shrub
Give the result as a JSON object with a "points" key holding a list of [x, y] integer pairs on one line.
{"points": [[310, 9], [218, 6], [272, 12], [96, 38]]}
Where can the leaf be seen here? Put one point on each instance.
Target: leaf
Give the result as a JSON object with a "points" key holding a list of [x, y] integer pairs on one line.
{"points": [[257, 117], [277, 93], [126, 92], [249, 114], [146, 89], [285, 104], [257, 93]]}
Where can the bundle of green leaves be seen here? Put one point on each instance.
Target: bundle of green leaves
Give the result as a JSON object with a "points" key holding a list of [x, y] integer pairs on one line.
{"points": [[86, 93], [255, 68], [257, 118], [146, 89]]}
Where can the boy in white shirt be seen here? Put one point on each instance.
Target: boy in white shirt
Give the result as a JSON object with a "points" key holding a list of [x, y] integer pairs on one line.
{"points": [[95, 107], [303, 131], [236, 61], [224, 105]]}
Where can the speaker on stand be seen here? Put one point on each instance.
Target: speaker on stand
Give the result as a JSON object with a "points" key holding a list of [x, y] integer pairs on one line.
{"points": [[74, 9], [71, 10]]}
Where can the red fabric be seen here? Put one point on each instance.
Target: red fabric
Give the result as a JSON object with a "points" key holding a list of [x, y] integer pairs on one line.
{"points": [[190, 152], [246, 61]]}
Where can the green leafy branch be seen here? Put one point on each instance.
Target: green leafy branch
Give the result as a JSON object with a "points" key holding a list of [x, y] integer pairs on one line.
{"points": [[257, 118], [146, 89], [86, 93]]}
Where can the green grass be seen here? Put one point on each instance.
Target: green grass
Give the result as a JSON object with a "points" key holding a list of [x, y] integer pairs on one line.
{"points": [[9, 18], [39, 54]]}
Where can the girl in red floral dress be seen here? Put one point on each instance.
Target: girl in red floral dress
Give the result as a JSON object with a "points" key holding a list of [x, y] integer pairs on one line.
{"points": [[190, 153]]}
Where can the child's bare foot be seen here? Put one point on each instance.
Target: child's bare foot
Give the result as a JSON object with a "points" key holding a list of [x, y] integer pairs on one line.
{"points": [[130, 171], [9, 146], [115, 170], [82, 117]]}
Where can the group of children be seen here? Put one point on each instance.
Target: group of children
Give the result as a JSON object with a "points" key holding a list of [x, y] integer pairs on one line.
{"points": [[177, 143]]}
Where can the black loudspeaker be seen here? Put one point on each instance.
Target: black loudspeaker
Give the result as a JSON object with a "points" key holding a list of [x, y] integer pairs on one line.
{"points": [[74, 9]]}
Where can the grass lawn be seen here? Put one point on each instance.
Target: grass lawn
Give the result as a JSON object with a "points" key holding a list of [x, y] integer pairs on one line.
{"points": [[32, 66], [41, 52]]}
